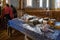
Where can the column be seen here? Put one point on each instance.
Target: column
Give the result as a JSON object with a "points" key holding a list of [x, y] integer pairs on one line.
{"points": [[21, 4], [51, 4], [4, 2]]}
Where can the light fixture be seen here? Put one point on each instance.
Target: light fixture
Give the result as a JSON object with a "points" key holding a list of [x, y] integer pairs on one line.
{"points": [[6, 1], [1, 0]]}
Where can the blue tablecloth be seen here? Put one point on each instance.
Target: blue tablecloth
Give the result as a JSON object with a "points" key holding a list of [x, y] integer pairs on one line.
{"points": [[17, 24]]}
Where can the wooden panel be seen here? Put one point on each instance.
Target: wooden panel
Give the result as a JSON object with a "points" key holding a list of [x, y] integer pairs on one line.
{"points": [[36, 11], [44, 13]]}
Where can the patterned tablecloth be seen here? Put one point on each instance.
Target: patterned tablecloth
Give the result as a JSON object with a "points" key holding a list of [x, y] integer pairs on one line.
{"points": [[18, 25]]}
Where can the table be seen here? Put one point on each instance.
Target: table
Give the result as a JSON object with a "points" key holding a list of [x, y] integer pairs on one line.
{"points": [[17, 25]]}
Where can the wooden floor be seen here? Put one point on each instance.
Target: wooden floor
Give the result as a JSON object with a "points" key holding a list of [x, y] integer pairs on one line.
{"points": [[16, 35]]}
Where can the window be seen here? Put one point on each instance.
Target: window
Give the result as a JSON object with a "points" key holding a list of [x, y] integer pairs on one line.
{"points": [[47, 4], [44, 3], [15, 3], [41, 3], [36, 3], [57, 3], [6, 1], [28, 3]]}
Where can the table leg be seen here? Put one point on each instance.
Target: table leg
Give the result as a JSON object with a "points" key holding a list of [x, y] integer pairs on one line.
{"points": [[26, 38], [9, 30]]}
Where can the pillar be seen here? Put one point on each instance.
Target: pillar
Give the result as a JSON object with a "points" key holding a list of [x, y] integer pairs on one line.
{"points": [[51, 4]]}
